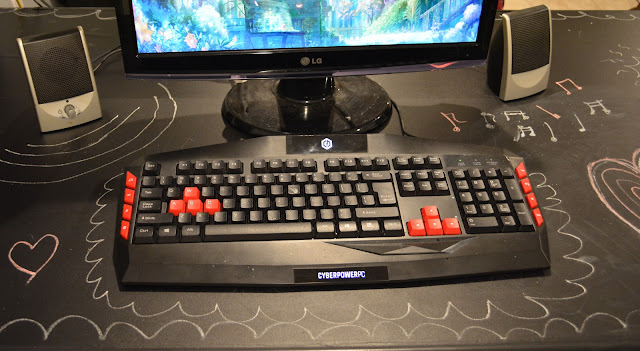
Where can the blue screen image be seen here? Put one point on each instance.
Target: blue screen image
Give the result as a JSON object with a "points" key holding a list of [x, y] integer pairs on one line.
{"points": [[218, 25]]}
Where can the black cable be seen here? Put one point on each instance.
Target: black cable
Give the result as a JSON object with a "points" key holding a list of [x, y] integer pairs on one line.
{"points": [[404, 132], [106, 56]]}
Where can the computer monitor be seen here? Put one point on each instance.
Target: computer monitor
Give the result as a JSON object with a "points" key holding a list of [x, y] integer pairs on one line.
{"points": [[312, 54]]}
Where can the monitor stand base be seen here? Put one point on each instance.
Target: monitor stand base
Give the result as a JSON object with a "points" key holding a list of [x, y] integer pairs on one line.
{"points": [[307, 106]]}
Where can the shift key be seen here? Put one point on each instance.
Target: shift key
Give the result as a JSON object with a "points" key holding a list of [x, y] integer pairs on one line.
{"points": [[380, 212], [155, 218]]}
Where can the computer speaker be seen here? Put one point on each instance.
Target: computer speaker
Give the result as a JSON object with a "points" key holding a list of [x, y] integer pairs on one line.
{"points": [[519, 56], [61, 79]]}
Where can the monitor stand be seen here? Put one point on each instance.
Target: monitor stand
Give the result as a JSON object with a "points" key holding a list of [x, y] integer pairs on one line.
{"points": [[307, 106]]}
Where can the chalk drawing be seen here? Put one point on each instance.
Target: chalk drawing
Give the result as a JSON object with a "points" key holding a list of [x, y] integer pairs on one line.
{"points": [[582, 128], [554, 115], [630, 66], [76, 138], [173, 117], [594, 104], [32, 274], [488, 125], [452, 117], [570, 81], [617, 184], [55, 12], [553, 137], [522, 130], [582, 14], [508, 114]]}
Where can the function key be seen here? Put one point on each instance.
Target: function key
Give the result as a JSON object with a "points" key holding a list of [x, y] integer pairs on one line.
{"points": [[201, 167], [521, 172], [131, 180], [309, 165], [365, 163], [292, 165], [217, 166], [148, 181], [434, 162], [235, 167], [526, 185], [332, 165], [275, 165], [259, 166], [348, 164], [401, 163], [417, 162], [380, 164], [184, 167], [151, 168]]}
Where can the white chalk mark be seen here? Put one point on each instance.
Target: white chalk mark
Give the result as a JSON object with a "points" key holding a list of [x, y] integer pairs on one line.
{"points": [[508, 114], [175, 110], [21, 13], [594, 104], [582, 128], [32, 274], [583, 14], [616, 52], [79, 149], [74, 139], [624, 47], [486, 121], [522, 130], [553, 137], [621, 70]]}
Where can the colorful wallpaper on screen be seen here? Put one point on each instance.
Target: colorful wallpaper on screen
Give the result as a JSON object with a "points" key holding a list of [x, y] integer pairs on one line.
{"points": [[207, 25]]}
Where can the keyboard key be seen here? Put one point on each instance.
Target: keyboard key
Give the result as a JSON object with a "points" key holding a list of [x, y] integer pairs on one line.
{"points": [[380, 164], [167, 234], [513, 189], [416, 227], [532, 201], [148, 206], [127, 211], [184, 167], [509, 224], [184, 218], [376, 176], [377, 212], [258, 231], [332, 165], [433, 226], [129, 196], [191, 193], [131, 181], [385, 193], [523, 217], [176, 207], [201, 167], [143, 235], [401, 163], [190, 234], [477, 225], [151, 168], [258, 166], [526, 185], [211, 206], [125, 227], [194, 206], [347, 229], [392, 227], [309, 165], [537, 216], [451, 226], [521, 172], [429, 212], [325, 230]]}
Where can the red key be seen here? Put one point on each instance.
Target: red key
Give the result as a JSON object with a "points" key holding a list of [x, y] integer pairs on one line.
{"points": [[451, 226], [521, 172], [129, 196], [191, 193], [212, 206], [537, 216], [525, 184], [131, 181], [429, 212], [434, 226], [416, 227], [531, 200], [124, 230], [126, 212], [176, 207], [194, 206]]}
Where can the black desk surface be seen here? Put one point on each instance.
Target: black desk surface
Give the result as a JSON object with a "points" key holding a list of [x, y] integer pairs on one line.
{"points": [[58, 210]]}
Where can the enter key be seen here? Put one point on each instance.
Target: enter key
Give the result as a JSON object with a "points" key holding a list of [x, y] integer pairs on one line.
{"points": [[385, 193]]}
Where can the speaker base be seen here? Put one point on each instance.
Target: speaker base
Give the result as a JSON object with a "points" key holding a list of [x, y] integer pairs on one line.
{"points": [[69, 113]]}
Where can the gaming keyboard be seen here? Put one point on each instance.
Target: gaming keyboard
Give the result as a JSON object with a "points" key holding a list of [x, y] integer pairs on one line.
{"points": [[339, 209]]}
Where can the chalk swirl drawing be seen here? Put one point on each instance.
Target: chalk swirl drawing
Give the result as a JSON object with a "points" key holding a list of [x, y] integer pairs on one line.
{"points": [[617, 184], [83, 165], [57, 12], [627, 62], [32, 274]]}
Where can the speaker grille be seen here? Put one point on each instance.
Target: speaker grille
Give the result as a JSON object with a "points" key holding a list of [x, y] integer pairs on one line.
{"points": [[531, 38], [58, 67]]}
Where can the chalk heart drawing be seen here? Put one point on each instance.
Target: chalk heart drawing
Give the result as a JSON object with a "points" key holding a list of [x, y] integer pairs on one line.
{"points": [[31, 273], [617, 183]]}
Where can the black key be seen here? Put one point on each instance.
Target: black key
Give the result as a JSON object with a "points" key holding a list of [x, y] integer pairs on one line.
{"points": [[273, 216], [524, 217], [218, 166], [421, 174], [318, 178], [302, 178], [151, 168], [309, 165], [291, 215], [190, 234], [405, 176], [344, 214], [349, 164], [462, 185], [434, 162], [345, 189], [350, 201], [424, 188], [401, 163], [417, 162], [333, 201], [486, 209], [264, 203], [243, 191], [184, 218], [148, 181], [310, 189], [327, 214], [202, 218], [183, 180], [143, 235], [377, 212], [251, 179], [332, 165], [351, 177], [309, 215], [325, 230], [168, 234], [282, 202], [298, 202], [465, 197], [494, 184], [385, 193], [277, 190], [166, 181], [380, 164], [154, 218], [284, 179], [151, 193], [477, 225], [150, 206], [255, 216], [514, 189], [228, 204], [438, 174], [498, 196], [442, 188], [362, 188], [347, 229], [370, 229], [275, 165], [482, 196], [392, 227], [328, 189], [234, 179], [235, 167], [316, 202], [201, 167], [258, 166], [407, 189], [220, 217], [491, 173], [225, 191], [246, 204], [173, 193], [208, 192], [238, 217], [217, 179], [458, 174], [367, 200], [477, 184], [365, 163], [268, 179], [508, 224], [469, 210], [503, 208], [259, 190], [258, 231], [200, 180], [184, 167], [335, 177], [474, 173], [506, 172]]}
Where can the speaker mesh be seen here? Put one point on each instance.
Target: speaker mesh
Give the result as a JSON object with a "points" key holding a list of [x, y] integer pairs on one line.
{"points": [[531, 38], [58, 67]]}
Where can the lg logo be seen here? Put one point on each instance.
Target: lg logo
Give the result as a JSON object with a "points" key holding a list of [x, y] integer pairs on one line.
{"points": [[305, 61]]}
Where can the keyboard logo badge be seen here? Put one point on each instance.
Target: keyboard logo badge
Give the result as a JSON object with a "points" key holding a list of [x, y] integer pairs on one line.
{"points": [[326, 143]]}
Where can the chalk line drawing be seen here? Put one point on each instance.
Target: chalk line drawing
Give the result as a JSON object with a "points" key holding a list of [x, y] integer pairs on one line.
{"points": [[522, 130], [173, 117], [624, 47], [32, 274], [629, 68], [582, 128], [617, 184], [615, 52], [487, 124], [81, 148], [570, 81], [452, 117], [598, 103], [554, 115], [553, 137], [54, 12], [563, 17], [76, 138], [508, 114]]}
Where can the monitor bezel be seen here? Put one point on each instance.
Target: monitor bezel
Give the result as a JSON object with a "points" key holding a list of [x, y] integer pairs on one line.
{"points": [[286, 63]]}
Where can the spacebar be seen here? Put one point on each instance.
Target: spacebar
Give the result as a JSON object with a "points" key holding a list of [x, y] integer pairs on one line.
{"points": [[258, 231]]}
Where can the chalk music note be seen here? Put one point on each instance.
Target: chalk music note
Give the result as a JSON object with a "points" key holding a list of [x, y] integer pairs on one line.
{"points": [[553, 137], [582, 128], [522, 130], [452, 117], [31, 273], [554, 115], [487, 124], [514, 113], [570, 81], [598, 103]]}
